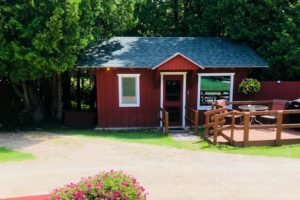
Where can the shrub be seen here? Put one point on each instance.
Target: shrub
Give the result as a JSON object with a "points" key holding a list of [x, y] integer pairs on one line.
{"points": [[113, 185], [249, 86]]}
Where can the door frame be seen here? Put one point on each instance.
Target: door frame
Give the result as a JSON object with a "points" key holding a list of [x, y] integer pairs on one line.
{"points": [[183, 93]]}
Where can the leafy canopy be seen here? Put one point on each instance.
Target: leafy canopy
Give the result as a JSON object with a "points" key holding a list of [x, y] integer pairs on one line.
{"points": [[42, 38], [271, 27]]}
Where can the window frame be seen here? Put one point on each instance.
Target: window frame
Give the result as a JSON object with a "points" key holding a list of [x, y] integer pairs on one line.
{"points": [[200, 75], [137, 89]]}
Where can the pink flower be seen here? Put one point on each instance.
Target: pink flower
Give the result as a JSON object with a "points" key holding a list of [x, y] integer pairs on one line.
{"points": [[134, 181], [116, 193], [123, 198], [124, 184], [78, 195], [71, 185]]}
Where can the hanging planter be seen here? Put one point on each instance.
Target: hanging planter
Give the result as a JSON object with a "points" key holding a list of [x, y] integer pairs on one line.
{"points": [[249, 86]]}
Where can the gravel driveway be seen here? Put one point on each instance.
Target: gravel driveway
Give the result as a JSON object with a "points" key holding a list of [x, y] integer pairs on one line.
{"points": [[166, 173]]}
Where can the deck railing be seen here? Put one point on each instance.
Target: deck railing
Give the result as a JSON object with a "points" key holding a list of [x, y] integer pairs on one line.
{"points": [[165, 120], [192, 117], [210, 121], [215, 124], [238, 103]]}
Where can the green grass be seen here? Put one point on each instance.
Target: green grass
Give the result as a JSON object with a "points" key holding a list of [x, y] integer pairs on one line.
{"points": [[209, 84], [7, 155], [157, 138]]}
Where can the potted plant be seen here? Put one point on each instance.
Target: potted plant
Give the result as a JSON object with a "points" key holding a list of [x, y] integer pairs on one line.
{"points": [[249, 86]]}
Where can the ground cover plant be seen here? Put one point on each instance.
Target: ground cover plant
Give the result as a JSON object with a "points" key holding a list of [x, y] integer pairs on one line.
{"points": [[7, 155], [113, 185]]}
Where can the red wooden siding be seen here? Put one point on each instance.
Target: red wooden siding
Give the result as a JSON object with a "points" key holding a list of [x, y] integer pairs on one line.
{"points": [[288, 90], [111, 115], [109, 112], [178, 63]]}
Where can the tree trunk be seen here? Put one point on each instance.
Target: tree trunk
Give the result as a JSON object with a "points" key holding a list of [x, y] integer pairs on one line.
{"points": [[186, 12], [176, 15], [66, 87], [56, 98], [33, 101], [78, 97]]}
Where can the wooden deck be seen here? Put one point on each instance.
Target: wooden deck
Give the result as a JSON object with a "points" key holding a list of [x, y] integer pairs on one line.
{"points": [[260, 137], [224, 127]]}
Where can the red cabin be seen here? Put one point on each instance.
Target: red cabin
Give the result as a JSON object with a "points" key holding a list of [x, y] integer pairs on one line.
{"points": [[136, 76]]}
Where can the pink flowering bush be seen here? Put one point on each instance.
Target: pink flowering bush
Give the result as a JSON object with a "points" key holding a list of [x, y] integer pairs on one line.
{"points": [[113, 185]]}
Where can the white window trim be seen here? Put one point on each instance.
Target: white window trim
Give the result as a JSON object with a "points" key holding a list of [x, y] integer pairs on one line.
{"points": [[137, 89], [199, 107], [162, 93]]}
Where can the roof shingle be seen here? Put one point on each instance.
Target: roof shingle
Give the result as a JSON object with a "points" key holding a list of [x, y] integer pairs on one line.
{"points": [[140, 52]]}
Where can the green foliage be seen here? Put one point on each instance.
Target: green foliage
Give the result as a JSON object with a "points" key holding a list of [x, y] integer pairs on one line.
{"points": [[270, 27], [105, 185], [215, 83], [43, 38], [249, 86]]}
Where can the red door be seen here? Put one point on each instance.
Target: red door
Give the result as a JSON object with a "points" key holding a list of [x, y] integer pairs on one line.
{"points": [[173, 88]]}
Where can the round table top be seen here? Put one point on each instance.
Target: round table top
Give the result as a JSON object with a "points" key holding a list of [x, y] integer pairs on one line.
{"points": [[253, 107]]}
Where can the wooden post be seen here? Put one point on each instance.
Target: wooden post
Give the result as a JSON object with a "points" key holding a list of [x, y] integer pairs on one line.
{"points": [[167, 122], [196, 120], [216, 122], [246, 127], [206, 125], [232, 126], [279, 127]]}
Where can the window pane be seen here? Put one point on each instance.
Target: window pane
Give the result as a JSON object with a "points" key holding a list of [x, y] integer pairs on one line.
{"points": [[214, 88], [128, 88], [173, 90]]}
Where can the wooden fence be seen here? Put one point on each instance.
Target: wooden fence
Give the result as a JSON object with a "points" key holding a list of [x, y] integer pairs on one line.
{"points": [[192, 118], [165, 120], [216, 124], [288, 90]]}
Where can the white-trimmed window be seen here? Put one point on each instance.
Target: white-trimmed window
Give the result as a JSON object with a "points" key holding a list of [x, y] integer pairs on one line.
{"points": [[214, 86], [129, 90]]}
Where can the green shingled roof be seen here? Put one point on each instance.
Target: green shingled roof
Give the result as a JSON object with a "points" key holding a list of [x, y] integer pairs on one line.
{"points": [[140, 52]]}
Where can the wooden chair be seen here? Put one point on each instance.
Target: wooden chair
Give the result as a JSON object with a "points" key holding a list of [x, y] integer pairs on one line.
{"points": [[276, 105], [222, 104]]}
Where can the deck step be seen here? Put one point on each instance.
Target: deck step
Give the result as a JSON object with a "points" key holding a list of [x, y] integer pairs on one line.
{"points": [[179, 130], [220, 140]]}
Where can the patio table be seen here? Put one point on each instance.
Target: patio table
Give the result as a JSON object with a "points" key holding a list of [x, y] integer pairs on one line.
{"points": [[253, 108]]}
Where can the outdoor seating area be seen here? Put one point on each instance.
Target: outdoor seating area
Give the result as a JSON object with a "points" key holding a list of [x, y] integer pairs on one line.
{"points": [[252, 123]]}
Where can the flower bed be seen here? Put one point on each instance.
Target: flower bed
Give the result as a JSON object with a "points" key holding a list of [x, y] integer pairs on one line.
{"points": [[113, 185]]}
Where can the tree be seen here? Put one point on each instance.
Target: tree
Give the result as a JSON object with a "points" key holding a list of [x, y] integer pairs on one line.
{"points": [[39, 40], [270, 27]]}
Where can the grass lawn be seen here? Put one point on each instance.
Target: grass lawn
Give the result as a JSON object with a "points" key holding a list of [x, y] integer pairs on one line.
{"points": [[209, 84], [7, 155], [157, 138]]}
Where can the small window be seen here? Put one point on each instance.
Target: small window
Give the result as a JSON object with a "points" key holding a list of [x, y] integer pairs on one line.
{"points": [[212, 87], [129, 90]]}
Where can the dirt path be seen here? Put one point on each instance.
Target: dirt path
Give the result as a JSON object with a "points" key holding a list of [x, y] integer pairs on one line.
{"points": [[166, 173]]}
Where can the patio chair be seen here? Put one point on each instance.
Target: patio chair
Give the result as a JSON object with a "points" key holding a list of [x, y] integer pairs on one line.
{"points": [[276, 105], [222, 104]]}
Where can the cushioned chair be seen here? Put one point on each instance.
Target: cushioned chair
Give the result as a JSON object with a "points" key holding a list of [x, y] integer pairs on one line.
{"points": [[276, 105], [222, 104]]}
